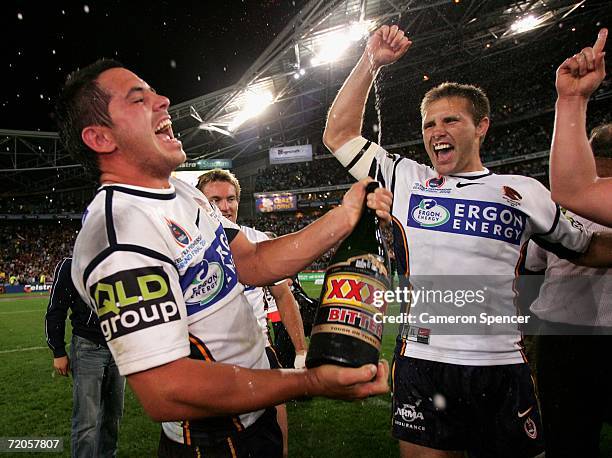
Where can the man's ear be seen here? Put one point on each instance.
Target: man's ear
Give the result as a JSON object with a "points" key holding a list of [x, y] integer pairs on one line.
{"points": [[482, 128], [99, 139]]}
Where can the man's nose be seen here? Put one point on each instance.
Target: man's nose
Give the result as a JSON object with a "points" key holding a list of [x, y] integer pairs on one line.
{"points": [[223, 205]]}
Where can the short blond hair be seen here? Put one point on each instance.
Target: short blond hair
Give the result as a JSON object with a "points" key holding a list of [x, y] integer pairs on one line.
{"points": [[218, 175]]}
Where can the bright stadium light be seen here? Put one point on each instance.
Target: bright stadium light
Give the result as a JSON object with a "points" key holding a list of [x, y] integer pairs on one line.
{"points": [[525, 24], [254, 104], [333, 45], [358, 30]]}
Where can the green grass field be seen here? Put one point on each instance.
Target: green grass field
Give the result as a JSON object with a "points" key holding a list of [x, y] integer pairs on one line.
{"points": [[35, 402]]}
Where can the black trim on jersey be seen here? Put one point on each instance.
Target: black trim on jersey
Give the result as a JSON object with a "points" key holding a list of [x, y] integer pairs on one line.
{"points": [[393, 181], [372, 171], [358, 156], [123, 247], [554, 224], [139, 193], [198, 349], [108, 216], [400, 246], [476, 177], [197, 221], [379, 176], [231, 233], [556, 248]]}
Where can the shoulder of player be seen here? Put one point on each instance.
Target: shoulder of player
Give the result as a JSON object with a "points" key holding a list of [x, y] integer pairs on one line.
{"points": [[253, 234], [523, 184]]}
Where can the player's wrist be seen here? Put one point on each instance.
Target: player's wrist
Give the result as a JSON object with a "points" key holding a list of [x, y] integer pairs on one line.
{"points": [[572, 100], [346, 219], [369, 65]]}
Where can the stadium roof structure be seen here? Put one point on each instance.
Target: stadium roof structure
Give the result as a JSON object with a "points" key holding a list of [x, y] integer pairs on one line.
{"points": [[283, 98]]}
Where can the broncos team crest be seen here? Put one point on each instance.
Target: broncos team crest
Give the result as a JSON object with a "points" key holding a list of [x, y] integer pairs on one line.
{"points": [[181, 236]]}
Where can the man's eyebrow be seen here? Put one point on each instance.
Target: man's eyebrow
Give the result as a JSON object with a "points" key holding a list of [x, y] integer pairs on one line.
{"points": [[138, 89]]}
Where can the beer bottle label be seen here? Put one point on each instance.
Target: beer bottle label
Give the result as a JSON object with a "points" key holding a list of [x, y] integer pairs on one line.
{"points": [[348, 301]]}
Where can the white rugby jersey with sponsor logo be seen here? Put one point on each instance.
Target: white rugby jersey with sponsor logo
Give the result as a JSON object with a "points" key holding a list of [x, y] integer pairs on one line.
{"points": [[157, 267], [469, 224], [260, 298]]}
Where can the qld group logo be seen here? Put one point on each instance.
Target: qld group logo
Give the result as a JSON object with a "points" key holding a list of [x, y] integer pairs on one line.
{"points": [[205, 286], [430, 214], [180, 235]]}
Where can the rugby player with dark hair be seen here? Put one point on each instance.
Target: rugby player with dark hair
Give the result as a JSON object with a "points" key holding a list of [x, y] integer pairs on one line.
{"points": [[164, 272]]}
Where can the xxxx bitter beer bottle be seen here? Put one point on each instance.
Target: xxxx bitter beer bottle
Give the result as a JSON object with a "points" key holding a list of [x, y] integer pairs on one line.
{"points": [[346, 331]]}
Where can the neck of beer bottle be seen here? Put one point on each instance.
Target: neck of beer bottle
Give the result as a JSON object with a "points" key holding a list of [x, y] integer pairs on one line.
{"points": [[365, 232]]}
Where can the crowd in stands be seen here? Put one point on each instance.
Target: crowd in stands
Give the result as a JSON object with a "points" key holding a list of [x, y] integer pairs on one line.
{"points": [[53, 204], [30, 250], [319, 172]]}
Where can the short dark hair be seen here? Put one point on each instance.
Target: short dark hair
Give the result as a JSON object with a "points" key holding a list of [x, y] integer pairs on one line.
{"points": [[601, 140], [81, 103], [213, 175], [479, 105]]}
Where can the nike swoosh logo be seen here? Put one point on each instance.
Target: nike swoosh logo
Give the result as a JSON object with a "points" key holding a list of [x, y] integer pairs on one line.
{"points": [[461, 185], [522, 414]]}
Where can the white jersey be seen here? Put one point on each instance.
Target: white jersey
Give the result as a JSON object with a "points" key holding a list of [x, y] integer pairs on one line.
{"points": [[256, 295], [157, 267], [470, 224], [572, 294]]}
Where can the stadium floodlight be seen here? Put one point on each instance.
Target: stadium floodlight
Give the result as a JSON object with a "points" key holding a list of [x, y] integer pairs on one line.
{"points": [[333, 45], [255, 102], [525, 24], [214, 128]]}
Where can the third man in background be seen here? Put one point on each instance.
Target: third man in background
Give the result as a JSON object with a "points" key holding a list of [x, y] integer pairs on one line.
{"points": [[223, 189]]}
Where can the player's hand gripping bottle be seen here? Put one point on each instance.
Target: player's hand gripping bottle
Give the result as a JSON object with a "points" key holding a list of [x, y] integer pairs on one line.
{"points": [[348, 326]]}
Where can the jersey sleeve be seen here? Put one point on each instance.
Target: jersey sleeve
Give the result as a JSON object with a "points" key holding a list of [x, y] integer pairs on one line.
{"points": [[363, 158], [139, 301], [552, 230]]}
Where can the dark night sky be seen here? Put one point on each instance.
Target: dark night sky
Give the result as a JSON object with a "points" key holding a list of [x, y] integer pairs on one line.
{"points": [[183, 49]]}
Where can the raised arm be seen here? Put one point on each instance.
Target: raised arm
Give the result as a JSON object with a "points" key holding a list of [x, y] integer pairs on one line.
{"points": [[345, 117], [573, 177]]}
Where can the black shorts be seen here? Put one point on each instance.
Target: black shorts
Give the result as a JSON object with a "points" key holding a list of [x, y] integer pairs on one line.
{"points": [[484, 410], [273, 358], [262, 439]]}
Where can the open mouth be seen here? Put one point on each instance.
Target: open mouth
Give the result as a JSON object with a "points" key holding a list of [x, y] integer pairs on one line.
{"points": [[443, 151], [164, 131]]}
